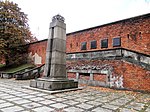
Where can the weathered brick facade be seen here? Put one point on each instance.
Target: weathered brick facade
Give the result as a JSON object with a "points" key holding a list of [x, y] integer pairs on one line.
{"points": [[122, 63], [38, 48], [134, 34]]}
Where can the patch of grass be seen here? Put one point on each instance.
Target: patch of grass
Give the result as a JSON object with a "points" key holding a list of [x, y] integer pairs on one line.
{"points": [[18, 68], [2, 65]]}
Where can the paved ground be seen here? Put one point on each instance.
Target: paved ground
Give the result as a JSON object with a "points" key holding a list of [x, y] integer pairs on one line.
{"points": [[14, 98]]}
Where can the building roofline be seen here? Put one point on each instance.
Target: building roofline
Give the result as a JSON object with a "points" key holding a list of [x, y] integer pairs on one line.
{"points": [[119, 21], [37, 42]]}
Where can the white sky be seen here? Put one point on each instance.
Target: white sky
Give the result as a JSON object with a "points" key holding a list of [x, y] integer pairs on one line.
{"points": [[79, 14]]}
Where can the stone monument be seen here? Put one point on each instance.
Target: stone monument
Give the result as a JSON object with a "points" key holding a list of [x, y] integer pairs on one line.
{"points": [[55, 75]]}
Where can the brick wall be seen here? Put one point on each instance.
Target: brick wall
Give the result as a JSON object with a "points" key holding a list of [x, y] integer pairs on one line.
{"points": [[134, 34], [72, 75], [100, 77], [39, 48], [134, 77]]}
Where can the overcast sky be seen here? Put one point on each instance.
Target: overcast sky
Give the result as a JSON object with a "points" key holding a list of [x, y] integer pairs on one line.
{"points": [[79, 14]]}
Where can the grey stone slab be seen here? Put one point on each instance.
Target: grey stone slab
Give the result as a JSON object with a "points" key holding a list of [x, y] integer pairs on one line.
{"points": [[16, 93], [84, 106], [13, 99], [13, 109], [40, 84], [12, 91], [43, 109], [31, 105], [7, 97], [90, 97], [22, 94], [111, 107], [55, 91], [73, 109], [41, 94], [94, 103], [58, 105], [102, 94], [99, 109], [34, 93], [27, 91], [29, 96], [125, 99], [58, 45], [61, 31], [81, 100], [102, 99], [127, 110], [60, 95], [22, 101], [58, 71], [59, 99], [83, 95], [112, 97], [148, 109], [37, 99], [26, 111], [6, 104], [3, 94], [71, 102], [47, 102], [136, 106], [33, 83], [57, 58], [2, 101], [49, 96], [70, 97], [119, 102]]}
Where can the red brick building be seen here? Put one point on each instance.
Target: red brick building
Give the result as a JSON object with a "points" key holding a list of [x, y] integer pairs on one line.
{"points": [[115, 55]]}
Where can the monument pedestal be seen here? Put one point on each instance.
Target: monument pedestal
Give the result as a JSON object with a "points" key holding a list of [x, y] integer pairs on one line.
{"points": [[53, 84]]}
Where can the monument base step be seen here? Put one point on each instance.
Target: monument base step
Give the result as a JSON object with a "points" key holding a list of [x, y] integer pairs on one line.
{"points": [[53, 84], [54, 91]]}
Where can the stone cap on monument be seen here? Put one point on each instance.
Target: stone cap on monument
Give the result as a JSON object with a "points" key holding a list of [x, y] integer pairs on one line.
{"points": [[58, 18]]}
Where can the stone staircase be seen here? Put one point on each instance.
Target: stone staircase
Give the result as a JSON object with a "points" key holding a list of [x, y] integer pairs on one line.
{"points": [[30, 74], [24, 74]]}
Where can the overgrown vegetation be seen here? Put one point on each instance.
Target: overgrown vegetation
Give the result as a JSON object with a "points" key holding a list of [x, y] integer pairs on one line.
{"points": [[14, 34], [18, 68], [2, 65]]}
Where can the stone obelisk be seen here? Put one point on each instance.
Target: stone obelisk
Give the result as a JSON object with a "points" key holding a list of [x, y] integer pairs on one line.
{"points": [[55, 76], [55, 65]]}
